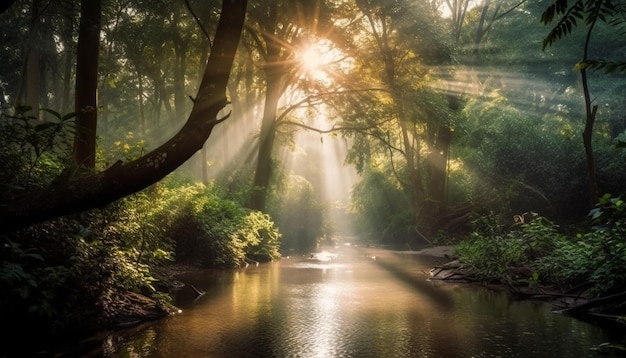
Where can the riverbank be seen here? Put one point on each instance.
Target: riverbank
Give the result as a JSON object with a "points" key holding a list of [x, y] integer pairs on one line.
{"points": [[607, 311], [412, 268], [445, 267]]}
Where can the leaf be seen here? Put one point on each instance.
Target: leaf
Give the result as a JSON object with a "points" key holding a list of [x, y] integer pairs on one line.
{"points": [[44, 126], [595, 213], [54, 113], [68, 116], [581, 66]]}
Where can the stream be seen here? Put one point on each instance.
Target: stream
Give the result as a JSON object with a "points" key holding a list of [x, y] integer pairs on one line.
{"points": [[347, 303]]}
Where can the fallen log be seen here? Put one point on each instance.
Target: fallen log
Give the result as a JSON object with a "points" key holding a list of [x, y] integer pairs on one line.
{"points": [[595, 303]]}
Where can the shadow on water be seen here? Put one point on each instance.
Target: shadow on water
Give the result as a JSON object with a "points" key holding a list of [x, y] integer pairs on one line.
{"points": [[364, 303], [399, 271]]}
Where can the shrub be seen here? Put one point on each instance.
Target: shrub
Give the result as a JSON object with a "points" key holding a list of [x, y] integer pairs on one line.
{"points": [[216, 231], [597, 257]]}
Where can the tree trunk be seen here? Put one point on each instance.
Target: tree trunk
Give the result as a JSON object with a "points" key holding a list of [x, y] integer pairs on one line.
{"points": [[98, 190], [180, 98], [438, 165], [590, 119], [266, 141], [590, 116], [32, 76], [86, 105], [142, 110]]}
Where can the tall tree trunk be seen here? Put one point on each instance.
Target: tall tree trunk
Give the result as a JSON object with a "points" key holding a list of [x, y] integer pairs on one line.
{"points": [[590, 116], [30, 89], [98, 190], [180, 98], [67, 76], [86, 106], [266, 141], [142, 114]]}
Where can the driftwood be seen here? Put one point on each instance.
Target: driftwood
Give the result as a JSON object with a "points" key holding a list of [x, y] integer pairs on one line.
{"points": [[618, 298], [449, 271], [198, 292]]}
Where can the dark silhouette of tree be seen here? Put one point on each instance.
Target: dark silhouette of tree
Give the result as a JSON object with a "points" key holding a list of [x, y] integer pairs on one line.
{"points": [[99, 189], [86, 104]]}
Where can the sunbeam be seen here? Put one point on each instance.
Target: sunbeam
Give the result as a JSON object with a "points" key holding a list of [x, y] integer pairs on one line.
{"points": [[320, 159]]}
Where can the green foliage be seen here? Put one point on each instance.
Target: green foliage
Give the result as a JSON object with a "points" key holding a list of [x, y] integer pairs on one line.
{"points": [[533, 251], [300, 216], [383, 210], [609, 211], [538, 162], [126, 150], [207, 227], [620, 140], [608, 66], [33, 151], [587, 11], [494, 252], [596, 257], [490, 250], [49, 282]]}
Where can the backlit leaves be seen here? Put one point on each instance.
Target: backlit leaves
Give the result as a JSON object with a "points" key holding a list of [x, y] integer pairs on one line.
{"points": [[608, 67], [587, 11]]}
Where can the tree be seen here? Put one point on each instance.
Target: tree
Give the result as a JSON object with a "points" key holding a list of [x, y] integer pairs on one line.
{"points": [[401, 40], [87, 55], [99, 189], [591, 12], [282, 29]]}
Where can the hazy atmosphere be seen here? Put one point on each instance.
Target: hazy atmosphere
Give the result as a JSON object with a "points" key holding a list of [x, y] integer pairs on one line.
{"points": [[160, 160]]}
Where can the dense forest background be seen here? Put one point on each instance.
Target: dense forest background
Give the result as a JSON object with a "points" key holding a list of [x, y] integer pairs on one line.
{"points": [[400, 123]]}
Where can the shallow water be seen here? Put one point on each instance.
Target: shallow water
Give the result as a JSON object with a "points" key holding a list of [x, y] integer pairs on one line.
{"points": [[351, 306]]}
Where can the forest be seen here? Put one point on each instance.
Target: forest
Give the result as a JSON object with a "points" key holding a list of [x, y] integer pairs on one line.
{"points": [[137, 136]]}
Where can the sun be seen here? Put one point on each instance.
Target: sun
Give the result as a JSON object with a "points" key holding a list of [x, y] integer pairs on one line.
{"points": [[311, 59], [321, 60]]}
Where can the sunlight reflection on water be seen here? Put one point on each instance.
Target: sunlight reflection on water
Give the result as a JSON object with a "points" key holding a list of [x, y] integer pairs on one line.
{"points": [[351, 306]]}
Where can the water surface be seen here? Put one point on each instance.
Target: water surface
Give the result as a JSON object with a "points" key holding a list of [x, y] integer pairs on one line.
{"points": [[351, 306]]}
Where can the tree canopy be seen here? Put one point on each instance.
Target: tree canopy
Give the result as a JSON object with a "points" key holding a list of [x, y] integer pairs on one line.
{"points": [[225, 133]]}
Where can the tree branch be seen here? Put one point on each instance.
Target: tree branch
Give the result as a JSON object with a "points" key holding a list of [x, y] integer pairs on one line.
{"points": [[100, 189]]}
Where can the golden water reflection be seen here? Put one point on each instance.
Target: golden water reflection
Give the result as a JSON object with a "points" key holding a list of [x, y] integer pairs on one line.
{"points": [[351, 307]]}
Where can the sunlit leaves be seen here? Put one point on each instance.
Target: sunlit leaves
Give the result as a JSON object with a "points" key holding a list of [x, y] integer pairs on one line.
{"points": [[608, 67]]}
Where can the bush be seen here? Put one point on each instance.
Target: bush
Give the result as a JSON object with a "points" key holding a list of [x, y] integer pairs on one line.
{"points": [[597, 257], [300, 216], [495, 252], [209, 228]]}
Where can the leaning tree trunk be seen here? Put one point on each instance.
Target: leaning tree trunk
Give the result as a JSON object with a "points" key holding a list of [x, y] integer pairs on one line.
{"points": [[122, 179]]}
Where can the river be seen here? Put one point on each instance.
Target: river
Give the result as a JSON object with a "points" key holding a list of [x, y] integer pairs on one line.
{"points": [[352, 305]]}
